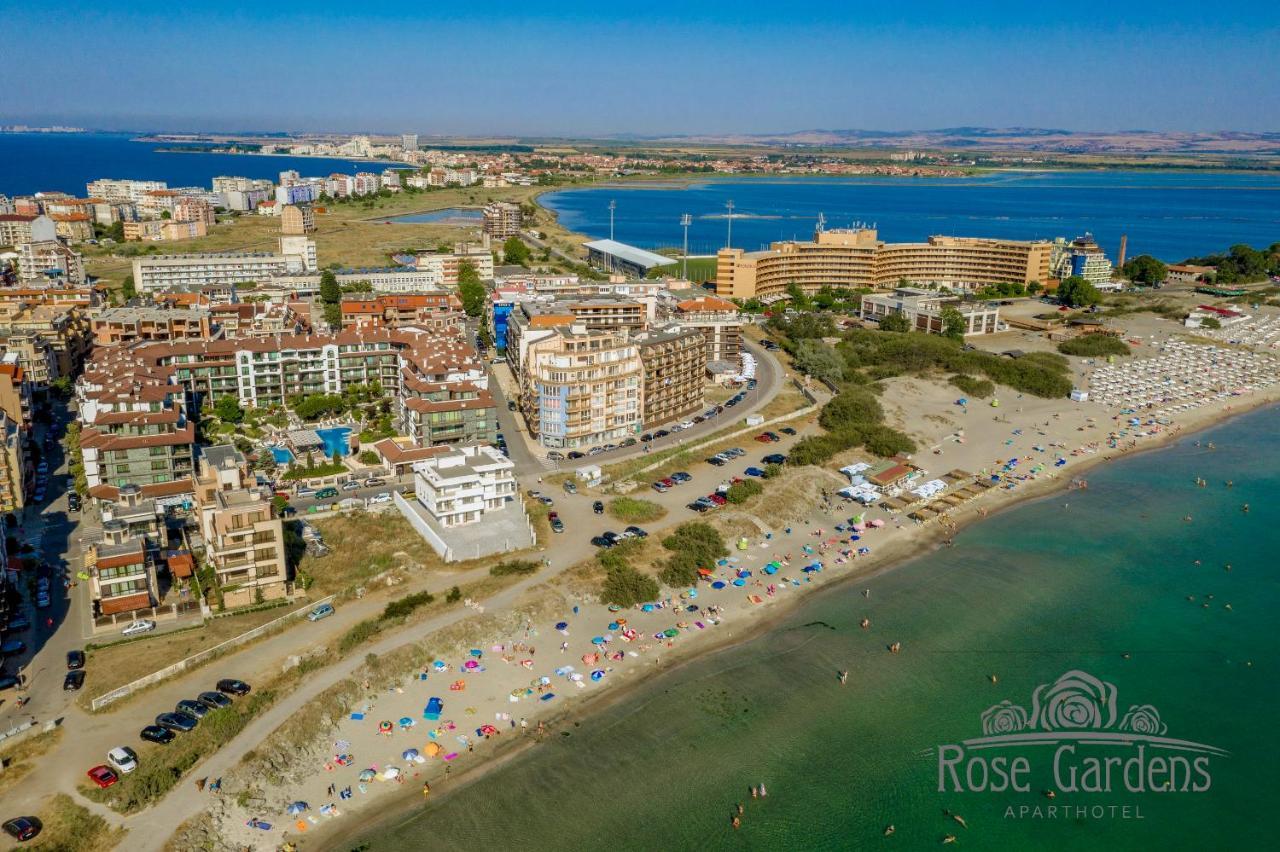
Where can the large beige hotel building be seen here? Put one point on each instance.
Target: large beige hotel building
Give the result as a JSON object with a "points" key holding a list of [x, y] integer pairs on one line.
{"points": [[857, 258]]}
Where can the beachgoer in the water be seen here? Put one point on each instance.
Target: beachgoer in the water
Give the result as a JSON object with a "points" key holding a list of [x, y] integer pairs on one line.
{"points": [[844, 677]]}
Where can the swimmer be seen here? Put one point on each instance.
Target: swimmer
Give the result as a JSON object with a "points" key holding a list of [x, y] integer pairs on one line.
{"points": [[889, 830], [844, 677]]}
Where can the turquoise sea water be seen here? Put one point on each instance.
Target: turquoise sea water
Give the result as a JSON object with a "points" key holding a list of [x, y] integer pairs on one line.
{"points": [[1071, 582], [1172, 215]]}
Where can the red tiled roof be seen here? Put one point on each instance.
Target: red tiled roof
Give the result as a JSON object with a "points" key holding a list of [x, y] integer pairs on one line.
{"points": [[128, 603]]}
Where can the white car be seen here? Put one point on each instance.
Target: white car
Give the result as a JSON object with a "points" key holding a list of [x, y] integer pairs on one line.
{"points": [[123, 759], [688, 424], [137, 627], [384, 497]]}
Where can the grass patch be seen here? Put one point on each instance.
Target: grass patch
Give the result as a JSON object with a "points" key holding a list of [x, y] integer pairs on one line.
{"points": [[114, 665], [69, 827], [21, 757], [632, 510], [1094, 346], [521, 567], [161, 767], [976, 388], [362, 545]]}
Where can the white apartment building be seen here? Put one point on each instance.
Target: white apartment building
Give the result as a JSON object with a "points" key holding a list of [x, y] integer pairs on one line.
{"points": [[458, 486], [192, 271], [130, 191], [923, 310], [446, 266], [48, 259]]}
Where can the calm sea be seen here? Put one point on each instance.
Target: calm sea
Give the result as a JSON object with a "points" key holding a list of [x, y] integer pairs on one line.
{"points": [[1172, 215], [1072, 582], [33, 162]]}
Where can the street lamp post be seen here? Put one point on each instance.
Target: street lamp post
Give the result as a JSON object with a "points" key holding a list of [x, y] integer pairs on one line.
{"points": [[729, 240], [685, 221], [613, 205]]}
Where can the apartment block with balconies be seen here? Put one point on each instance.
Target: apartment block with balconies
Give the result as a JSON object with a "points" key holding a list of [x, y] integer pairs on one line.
{"points": [[458, 486]]}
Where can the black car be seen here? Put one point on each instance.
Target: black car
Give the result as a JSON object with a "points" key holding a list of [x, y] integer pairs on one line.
{"points": [[787, 430], [214, 700], [231, 686], [575, 454], [715, 462], [646, 437], [192, 707], [74, 680], [637, 532], [75, 660], [601, 541], [598, 507], [774, 458], [178, 723], [157, 734], [22, 828], [73, 502], [661, 433]]}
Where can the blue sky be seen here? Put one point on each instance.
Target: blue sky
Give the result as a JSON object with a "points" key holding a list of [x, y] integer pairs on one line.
{"points": [[651, 68]]}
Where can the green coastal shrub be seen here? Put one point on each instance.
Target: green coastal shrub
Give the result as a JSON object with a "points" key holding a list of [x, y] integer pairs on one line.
{"points": [[1094, 346], [513, 566], [741, 492], [976, 388]]}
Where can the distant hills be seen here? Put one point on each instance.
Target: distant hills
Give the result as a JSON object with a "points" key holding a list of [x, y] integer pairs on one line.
{"points": [[1011, 139]]}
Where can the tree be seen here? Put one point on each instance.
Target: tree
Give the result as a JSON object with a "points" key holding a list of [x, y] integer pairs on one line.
{"points": [[330, 292], [1078, 293], [128, 290], [228, 409], [1034, 287], [1145, 269], [825, 298], [799, 300], [817, 359], [62, 386], [894, 322], [470, 289], [953, 323], [515, 251]]}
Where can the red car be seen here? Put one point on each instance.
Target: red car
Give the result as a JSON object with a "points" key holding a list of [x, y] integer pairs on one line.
{"points": [[718, 499], [669, 482], [764, 438], [103, 776]]}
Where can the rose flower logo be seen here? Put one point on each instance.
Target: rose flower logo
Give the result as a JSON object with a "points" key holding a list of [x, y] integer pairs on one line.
{"points": [[1075, 700]]}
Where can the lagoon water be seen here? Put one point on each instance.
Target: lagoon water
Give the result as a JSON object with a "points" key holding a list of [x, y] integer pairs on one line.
{"points": [[1073, 581], [33, 162], [1172, 215]]}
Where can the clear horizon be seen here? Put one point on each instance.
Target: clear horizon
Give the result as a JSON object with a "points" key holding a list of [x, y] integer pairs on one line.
{"points": [[577, 71]]}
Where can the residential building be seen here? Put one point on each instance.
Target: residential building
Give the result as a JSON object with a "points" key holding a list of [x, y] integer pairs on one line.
{"points": [[260, 319], [459, 486], [674, 364], [130, 191], [16, 471], [445, 267], [19, 228], [190, 271], [532, 318], [394, 279], [440, 309], [297, 219], [50, 260], [720, 323], [923, 310], [73, 227], [65, 329], [409, 141], [243, 537], [191, 209], [122, 572], [501, 219], [33, 353], [1179, 273], [163, 230], [15, 391], [580, 388], [112, 326], [135, 428], [1083, 258], [856, 258]]}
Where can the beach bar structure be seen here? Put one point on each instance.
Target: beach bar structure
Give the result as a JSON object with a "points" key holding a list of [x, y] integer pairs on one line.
{"points": [[620, 258]]}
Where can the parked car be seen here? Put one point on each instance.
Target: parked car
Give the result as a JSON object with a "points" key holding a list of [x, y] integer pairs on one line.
{"points": [[754, 471], [73, 681], [681, 477], [570, 486], [374, 482], [555, 455], [320, 611], [575, 454], [787, 430], [629, 442], [384, 497], [326, 493], [598, 507], [231, 686], [193, 707], [157, 734], [123, 759], [735, 452], [138, 627], [764, 438], [661, 487], [646, 437], [698, 507], [775, 458], [557, 525], [73, 502], [350, 486], [75, 660], [636, 532], [601, 541], [178, 723], [718, 499], [214, 700], [716, 461], [661, 433], [306, 492], [688, 424], [102, 776], [12, 647], [22, 829]]}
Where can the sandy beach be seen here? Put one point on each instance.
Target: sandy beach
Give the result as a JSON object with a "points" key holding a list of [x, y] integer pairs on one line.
{"points": [[514, 678]]}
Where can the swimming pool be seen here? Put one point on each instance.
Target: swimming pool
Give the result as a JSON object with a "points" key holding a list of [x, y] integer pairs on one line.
{"points": [[282, 455], [336, 439]]}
